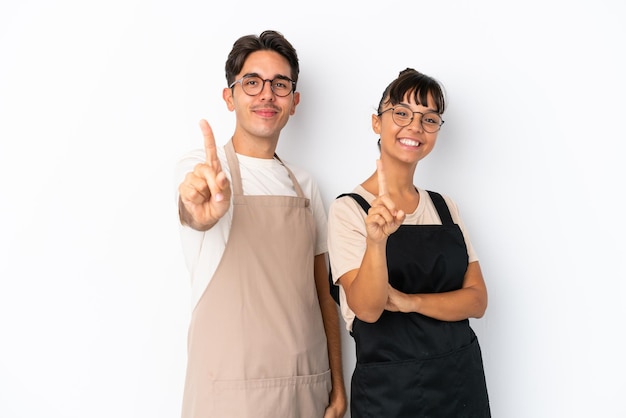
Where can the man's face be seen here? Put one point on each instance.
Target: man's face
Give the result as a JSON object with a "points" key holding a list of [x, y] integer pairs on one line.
{"points": [[264, 115]]}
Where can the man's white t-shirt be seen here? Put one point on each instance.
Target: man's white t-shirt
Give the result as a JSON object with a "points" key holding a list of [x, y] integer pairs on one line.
{"points": [[203, 250]]}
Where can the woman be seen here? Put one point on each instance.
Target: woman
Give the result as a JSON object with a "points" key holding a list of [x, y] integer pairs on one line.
{"points": [[408, 275]]}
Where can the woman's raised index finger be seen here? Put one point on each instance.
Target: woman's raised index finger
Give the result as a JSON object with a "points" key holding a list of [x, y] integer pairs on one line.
{"points": [[209, 142], [382, 181]]}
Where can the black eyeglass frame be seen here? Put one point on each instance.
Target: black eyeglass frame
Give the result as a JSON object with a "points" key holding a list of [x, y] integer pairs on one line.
{"points": [[408, 109], [286, 79]]}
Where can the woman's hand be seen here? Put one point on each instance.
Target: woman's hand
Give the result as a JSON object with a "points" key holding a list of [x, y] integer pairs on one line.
{"points": [[383, 219]]}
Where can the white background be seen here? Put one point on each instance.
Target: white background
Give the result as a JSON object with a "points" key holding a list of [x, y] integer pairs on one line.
{"points": [[98, 100]]}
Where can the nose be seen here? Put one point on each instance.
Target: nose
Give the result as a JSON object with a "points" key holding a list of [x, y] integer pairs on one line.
{"points": [[267, 92], [416, 123]]}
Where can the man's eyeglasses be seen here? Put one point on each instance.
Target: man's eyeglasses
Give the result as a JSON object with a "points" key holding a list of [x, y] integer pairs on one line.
{"points": [[253, 85], [403, 116]]}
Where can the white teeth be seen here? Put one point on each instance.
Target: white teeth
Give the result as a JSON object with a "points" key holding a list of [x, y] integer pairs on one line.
{"points": [[409, 142]]}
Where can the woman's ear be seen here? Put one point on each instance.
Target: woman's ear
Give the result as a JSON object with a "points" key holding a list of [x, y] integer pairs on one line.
{"points": [[376, 123]]}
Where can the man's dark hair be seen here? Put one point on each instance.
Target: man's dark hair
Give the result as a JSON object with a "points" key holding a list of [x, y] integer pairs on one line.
{"points": [[268, 40]]}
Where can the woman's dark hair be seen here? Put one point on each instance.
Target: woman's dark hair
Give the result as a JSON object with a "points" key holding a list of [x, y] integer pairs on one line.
{"points": [[414, 83], [267, 40]]}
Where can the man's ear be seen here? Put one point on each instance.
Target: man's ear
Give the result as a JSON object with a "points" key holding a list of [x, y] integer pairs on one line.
{"points": [[294, 103], [227, 95]]}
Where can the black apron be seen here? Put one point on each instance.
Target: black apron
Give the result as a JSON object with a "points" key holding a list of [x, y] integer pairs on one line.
{"points": [[410, 365]]}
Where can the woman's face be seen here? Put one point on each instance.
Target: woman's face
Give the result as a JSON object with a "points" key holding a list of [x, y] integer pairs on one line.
{"points": [[408, 143]]}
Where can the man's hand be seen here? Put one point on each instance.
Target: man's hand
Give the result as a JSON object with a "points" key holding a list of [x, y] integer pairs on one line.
{"points": [[205, 192]]}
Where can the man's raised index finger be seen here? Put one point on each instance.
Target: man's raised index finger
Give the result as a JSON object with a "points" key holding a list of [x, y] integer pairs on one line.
{"points": [[209, 142]]}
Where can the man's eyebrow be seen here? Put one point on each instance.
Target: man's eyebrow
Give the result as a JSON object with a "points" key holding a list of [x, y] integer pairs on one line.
{"points": [[281, 76]]}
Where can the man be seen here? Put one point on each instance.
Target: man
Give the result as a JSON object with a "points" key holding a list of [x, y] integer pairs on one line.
{"points": [[264, 334]]}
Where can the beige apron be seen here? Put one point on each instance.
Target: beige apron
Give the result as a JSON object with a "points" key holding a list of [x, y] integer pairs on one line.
{"points": [[256, 344]]}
